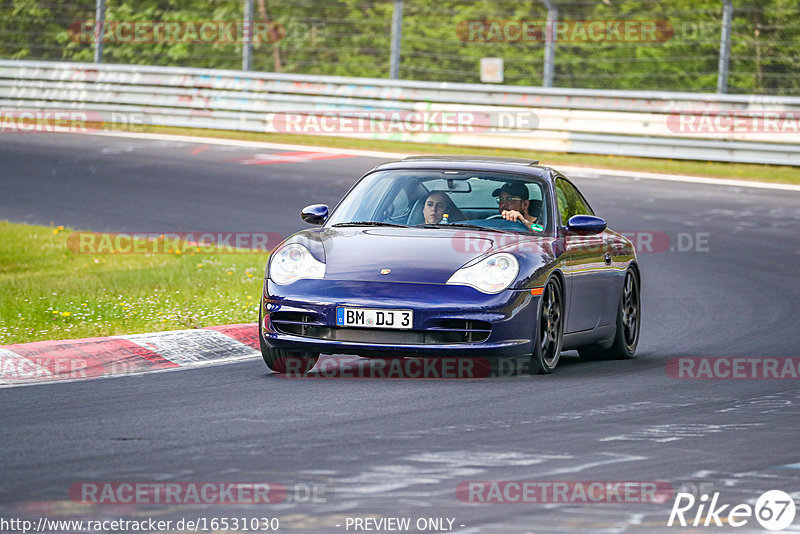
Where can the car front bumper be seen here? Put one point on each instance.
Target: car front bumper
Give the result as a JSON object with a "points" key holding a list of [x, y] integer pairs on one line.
{"points": [[439, 310]]}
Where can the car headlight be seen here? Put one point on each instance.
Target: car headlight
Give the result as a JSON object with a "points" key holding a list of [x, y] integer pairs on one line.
{"points": [[490, 275], [292, 263]]}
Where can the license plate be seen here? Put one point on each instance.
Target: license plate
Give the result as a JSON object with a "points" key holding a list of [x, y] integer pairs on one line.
{"points": [[373, 318]]}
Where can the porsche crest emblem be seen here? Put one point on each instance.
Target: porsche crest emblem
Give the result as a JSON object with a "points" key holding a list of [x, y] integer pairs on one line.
{"points": [[385, 271]]}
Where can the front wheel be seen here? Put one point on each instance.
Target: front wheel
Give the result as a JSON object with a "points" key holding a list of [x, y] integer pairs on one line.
{"points": [[284, 361], [628, 323], [550, 334]]}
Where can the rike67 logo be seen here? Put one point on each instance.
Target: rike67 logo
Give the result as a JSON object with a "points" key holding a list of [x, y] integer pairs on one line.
{"points": [[774, 510]]}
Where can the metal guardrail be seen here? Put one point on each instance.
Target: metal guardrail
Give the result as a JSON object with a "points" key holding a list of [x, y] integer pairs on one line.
{"points": [[564, 120]]}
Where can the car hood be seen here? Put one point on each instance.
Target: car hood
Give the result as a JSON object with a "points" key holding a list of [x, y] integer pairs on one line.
{"points": [[417, 255]]}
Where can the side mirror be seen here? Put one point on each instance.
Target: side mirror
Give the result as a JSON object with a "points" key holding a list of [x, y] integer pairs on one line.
{"points": [[586, 224], [314, 214]]}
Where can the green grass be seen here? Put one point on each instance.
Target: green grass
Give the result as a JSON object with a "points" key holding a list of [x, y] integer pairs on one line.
{"points": [[51, 291], [737, 171]]}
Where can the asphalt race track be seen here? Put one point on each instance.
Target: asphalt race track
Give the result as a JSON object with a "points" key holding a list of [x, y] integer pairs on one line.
{"points": [[724, 285]]}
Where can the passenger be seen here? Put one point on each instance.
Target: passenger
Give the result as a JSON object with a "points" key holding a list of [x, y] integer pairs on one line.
{"points": [[436, 205]]}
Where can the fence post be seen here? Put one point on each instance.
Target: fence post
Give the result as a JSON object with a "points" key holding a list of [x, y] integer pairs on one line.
{"points": [[99, 23], [397, 34], [549, 43], [247, 46], [725, 46]]}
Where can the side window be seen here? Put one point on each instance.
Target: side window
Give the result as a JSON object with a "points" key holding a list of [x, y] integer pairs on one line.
{"points": [[400, 206], [363, 207], [570, 201], [537, 206]]}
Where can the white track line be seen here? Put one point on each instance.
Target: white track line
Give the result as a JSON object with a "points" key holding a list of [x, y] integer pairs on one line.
{"points": [[254, 144], [397, 155]]}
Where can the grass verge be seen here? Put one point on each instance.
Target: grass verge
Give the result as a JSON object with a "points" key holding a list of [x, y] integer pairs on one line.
{"points": [[736, 171], [51, 291]]}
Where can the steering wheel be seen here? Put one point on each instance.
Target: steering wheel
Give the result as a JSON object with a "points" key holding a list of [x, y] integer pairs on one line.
{"points": [[521, 223]]}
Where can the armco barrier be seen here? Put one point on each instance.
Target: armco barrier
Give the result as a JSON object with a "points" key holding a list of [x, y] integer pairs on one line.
{"points": [[567, 120]]}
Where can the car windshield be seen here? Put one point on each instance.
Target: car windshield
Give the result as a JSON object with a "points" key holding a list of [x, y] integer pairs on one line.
{"points": [[432, 199]]}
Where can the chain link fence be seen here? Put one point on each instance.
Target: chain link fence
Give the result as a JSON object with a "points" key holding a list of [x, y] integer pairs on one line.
{"points": [[666, 45]]}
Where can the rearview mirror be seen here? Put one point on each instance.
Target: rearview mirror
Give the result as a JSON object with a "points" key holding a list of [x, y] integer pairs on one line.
{"points": [[314, 214], [587, 224]]}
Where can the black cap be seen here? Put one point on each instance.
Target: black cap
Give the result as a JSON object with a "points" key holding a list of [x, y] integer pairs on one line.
{"points": [[514, 189]]}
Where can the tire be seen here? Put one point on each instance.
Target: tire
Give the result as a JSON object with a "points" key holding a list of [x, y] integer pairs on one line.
{"points": [[628, 323], [550, 331], [283, 361]]}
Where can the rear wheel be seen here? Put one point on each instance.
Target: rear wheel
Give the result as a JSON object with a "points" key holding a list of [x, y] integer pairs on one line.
{"points": [[550, 333], [628, 322], [284, 361]]}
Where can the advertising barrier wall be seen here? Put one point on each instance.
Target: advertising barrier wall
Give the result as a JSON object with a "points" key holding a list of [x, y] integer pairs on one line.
{"points": [[692, 126]]}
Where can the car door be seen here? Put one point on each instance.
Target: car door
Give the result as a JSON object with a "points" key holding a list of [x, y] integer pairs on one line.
{"points": [[586, 263]]}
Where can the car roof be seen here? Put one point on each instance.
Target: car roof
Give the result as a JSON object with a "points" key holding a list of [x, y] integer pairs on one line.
{"points": [[495, 159], [477, 163]]}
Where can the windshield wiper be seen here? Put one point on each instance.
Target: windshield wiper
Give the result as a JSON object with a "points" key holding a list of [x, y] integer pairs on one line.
{"points": [[460, 225], [369, 223]]}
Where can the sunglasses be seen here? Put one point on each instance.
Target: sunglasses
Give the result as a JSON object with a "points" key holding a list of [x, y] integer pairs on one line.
{"points": [[500, 200]]}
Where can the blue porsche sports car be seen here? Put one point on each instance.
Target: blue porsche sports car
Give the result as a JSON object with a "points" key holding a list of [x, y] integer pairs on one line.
{"points": [[452, 256]]}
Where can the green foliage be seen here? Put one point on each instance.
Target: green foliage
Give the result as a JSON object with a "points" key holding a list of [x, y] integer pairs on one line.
{"points": [[52, 290], [352, 38]]}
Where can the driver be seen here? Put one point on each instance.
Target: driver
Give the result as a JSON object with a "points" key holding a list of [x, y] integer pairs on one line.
{"points": [[512, 200]]}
